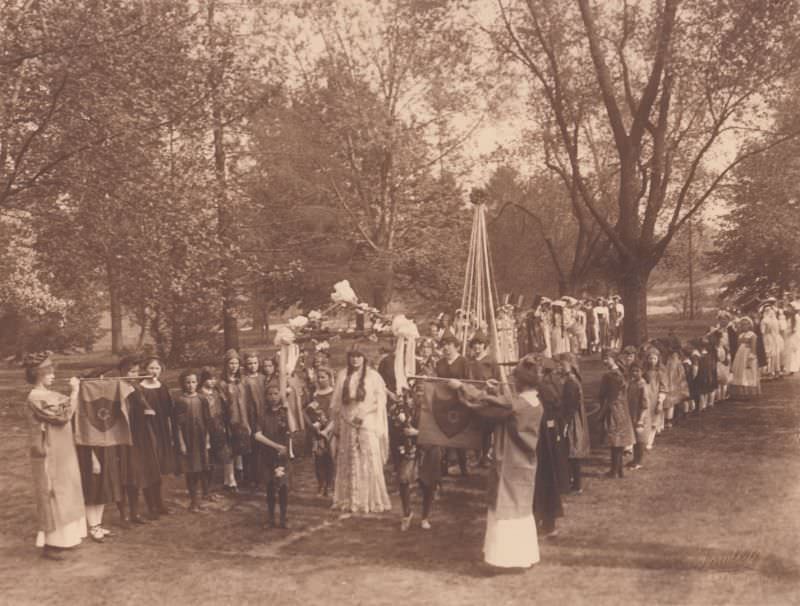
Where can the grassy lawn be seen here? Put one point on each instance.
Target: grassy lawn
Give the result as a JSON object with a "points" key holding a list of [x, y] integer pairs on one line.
{"points": [[712, 519]]}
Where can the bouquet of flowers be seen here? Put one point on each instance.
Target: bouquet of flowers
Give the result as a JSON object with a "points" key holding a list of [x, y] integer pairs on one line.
{"points": [[319, 421]]}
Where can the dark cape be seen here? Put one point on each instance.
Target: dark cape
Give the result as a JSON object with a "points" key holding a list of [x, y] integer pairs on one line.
{"points": [[144, 468], [160, 400], [552, 471], [761, 351]]}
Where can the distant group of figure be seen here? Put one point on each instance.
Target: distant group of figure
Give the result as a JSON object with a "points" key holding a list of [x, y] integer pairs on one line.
{"points": [[571, 325], [548, 327], [761, 345]]}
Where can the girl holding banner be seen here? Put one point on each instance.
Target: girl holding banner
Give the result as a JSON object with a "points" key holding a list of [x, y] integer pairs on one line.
{"points": [[62, 519], [511, 540]]}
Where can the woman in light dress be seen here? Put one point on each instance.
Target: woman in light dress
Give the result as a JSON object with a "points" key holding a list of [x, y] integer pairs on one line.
{"points": [[791, 341], [773, 342], [56, 475], [360, 426], [745, 381]]}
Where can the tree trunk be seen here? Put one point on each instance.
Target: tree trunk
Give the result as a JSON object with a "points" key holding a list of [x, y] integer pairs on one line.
{"points": [[633, 289], [116, 311], [230, 324], [382, 280]]}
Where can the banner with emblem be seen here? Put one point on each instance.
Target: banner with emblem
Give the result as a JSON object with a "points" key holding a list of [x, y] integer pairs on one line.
{"points": [[102, 415], [445, 421]]}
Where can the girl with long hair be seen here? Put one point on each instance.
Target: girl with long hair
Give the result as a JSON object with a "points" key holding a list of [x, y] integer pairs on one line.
{"points": [[361, 427]]}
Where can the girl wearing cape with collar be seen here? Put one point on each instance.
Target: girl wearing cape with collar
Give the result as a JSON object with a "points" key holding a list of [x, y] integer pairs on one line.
{"points": [[510, 541]]}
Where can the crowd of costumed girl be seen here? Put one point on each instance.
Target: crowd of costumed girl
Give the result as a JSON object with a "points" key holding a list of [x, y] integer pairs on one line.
{"points": [[242, 427]]}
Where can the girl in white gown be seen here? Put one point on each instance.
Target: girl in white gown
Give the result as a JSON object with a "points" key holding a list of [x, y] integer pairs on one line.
{"points": [[773, 342], [358, 412], [792, 341], [745, 381]]}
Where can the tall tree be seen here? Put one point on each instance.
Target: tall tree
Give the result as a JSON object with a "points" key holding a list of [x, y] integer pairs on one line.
{"points": [[758, 249], [54, 56], [377, 84], [667, 86]]}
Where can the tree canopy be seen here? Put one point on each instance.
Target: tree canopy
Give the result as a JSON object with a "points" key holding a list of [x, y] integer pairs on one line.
{"points": [[190, 164]]}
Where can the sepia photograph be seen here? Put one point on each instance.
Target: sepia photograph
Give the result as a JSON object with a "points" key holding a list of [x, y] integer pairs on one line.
{"points": [[390, 302]]}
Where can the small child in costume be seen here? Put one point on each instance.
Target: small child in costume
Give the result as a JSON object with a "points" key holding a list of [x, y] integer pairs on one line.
{"points": [[272, 435], [190, 419]]}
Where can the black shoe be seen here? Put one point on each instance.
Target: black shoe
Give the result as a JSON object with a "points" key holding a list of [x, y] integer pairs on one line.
{"points": [[137, 519]]}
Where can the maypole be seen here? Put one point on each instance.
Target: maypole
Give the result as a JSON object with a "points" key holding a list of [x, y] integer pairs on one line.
{"points": [[479, 297]]}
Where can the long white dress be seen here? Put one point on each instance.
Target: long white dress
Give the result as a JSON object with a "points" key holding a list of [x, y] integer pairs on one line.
{"points": [[792, 345], [362, 447], [745, 382], [580, 327], [773, 342]]}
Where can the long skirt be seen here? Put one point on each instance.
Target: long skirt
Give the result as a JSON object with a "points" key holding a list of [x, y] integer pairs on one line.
{"points": [[360, 485], [510, 543], [791, 351], [745, 382], [57, 491]]}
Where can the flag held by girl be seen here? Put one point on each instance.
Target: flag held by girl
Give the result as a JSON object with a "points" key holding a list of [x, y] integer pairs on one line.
{"points": [[102, 415]]}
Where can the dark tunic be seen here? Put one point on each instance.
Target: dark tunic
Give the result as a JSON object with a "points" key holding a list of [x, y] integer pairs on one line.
{"points": [[428, 464], [190, 418], [614, 409], [577, 422], [590, 321], [457, 369], [104, 487], [552, 471], [217, 428], [639, 397], [483, 369], [761, 351], [531, 335], [273, 423], [234, 404], [706, 379], [144, 466], [159, 400]]}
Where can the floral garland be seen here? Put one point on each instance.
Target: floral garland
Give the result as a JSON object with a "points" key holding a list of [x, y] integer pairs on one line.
{"points": [[311, 327]]}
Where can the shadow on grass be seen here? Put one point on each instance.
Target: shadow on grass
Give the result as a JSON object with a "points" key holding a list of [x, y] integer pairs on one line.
{"points": [[456, 548]]}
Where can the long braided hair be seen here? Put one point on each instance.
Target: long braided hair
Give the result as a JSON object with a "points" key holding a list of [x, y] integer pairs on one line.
{"points": [[361, 390]]}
